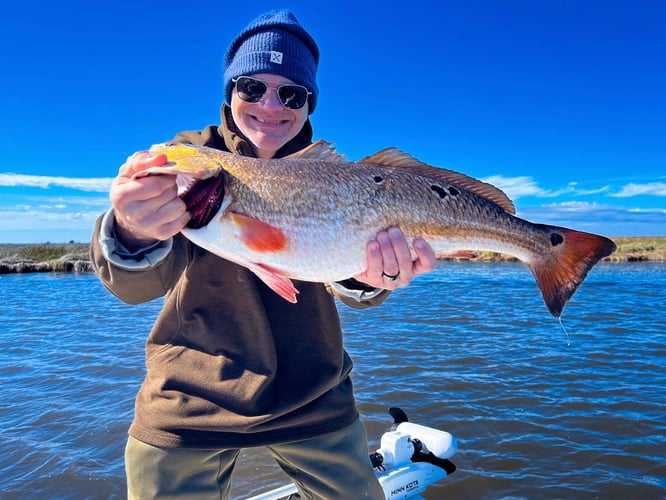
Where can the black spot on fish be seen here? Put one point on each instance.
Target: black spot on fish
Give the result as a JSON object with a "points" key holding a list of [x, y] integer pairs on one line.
{"points": [[453, 191], [440, 191], [556, 239], [377, 179]]}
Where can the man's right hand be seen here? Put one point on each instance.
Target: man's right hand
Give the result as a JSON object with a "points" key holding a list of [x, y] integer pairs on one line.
{"points": [[147, 208]]}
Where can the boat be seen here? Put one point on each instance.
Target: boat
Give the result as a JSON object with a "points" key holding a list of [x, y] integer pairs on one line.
{"points": [[410, 458]]}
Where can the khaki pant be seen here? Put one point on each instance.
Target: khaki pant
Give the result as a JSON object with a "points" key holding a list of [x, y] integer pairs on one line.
{"points": [[333, 466]]}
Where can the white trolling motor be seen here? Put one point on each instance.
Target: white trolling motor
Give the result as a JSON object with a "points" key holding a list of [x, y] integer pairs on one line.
{"points": [[410, 458]]}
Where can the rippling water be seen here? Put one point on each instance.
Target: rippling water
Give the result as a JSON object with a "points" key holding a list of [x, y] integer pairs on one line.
{"points": [[470, 348]]}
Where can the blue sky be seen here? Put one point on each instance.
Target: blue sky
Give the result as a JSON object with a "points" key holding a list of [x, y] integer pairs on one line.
{"points": [[562, 104]]}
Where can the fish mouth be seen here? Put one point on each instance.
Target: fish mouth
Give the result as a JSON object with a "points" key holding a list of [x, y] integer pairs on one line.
{"points": [[203, 199]]}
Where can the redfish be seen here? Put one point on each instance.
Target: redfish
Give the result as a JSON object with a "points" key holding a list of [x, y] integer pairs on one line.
{"points": [[310, 216]]}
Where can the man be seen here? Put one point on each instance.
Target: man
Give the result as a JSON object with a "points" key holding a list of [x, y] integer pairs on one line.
{"points": [[230, 364]]}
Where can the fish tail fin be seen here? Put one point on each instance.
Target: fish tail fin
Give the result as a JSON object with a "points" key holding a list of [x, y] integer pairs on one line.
{"points": [[561, 271]]}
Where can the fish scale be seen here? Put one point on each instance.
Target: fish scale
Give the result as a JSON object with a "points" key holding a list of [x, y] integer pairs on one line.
{"points": [[310, 216]]}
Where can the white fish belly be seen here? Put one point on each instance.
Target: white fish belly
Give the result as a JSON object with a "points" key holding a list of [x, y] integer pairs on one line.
{"points": [[321, 254]]}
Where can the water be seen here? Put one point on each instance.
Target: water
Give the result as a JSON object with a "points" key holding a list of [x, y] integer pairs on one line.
{"points": [[469, 348]]}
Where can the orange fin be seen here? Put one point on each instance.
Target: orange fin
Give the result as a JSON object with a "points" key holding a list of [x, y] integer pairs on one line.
{"points": [[560, 272], [393, 157], [257, 235], [276, 281]]}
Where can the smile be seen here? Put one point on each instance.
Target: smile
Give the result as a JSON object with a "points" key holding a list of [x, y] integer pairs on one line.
{"points": [[269, 122]]}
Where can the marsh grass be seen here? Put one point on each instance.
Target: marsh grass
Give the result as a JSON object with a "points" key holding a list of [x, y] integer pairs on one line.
{"points": [[643, 248], [44, 257], [42, 251]]}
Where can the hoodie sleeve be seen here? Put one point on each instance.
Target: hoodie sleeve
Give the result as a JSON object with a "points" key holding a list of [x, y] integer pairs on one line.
{"points": [[356, 294], [135, 277]]}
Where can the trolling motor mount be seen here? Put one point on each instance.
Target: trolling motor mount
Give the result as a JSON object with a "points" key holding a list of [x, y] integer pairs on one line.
{"points": [[408, 442]]}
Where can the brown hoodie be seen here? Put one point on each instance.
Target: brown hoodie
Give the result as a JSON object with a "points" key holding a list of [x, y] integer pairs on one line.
{"points": [[230, 363]]}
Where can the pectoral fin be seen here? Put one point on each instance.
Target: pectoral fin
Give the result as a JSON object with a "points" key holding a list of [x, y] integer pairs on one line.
{"points": [[258, 235]]}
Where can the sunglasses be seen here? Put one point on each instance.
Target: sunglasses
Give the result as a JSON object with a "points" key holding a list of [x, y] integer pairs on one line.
{"points": [[252, 89]]}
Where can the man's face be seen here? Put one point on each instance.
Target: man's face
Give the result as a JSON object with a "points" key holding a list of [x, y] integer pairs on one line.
{"points": [[267, 123]]}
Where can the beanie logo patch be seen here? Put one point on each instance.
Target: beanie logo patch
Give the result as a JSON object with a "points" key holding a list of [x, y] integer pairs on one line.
{"points": [[276, 57]]}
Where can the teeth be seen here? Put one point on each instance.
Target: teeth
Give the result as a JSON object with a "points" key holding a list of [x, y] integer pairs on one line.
{"points": [[272, 122]]}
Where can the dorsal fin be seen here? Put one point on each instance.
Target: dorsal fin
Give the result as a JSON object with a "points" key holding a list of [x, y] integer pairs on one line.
{"points": [[393, 157], [320, 150]]}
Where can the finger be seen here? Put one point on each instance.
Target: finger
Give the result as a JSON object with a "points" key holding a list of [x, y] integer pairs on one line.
{"points": [[145, 233], [173, 227], [162, 206], [426, 259], [390, 265], [126, 193], [374, 260], [159, 218], [130, 166], [402, 252], [162, 188], [372, 275], [141, 161], [141, 202]]}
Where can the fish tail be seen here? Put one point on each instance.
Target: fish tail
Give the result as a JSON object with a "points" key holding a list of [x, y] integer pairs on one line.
{"points": [[561, 271]]}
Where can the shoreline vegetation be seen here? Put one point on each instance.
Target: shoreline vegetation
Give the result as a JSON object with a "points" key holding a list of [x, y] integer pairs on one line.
{"points": [[74, 257]]}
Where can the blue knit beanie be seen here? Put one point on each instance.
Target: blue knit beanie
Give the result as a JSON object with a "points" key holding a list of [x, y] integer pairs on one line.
{"points": [[273, 43]]}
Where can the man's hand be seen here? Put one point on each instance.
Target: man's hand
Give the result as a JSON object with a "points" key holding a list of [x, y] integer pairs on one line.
{"points": [[146, 208], [390, 263]]}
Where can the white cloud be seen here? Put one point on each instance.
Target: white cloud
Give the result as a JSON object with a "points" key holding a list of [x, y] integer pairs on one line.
{"points": [[35, 219], [66, 215], [600, 218], [576, 206], [632, 189], [518, 187], [23, 204], [589, 192], [515, 187], [100, 185]]}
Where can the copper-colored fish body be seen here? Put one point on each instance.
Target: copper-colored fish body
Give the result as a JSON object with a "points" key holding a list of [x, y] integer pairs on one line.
{"points": [[310, 216]]}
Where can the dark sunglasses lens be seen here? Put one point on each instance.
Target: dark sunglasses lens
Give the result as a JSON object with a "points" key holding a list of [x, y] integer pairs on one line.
{"points": [[249, 89], [293, 96]]}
